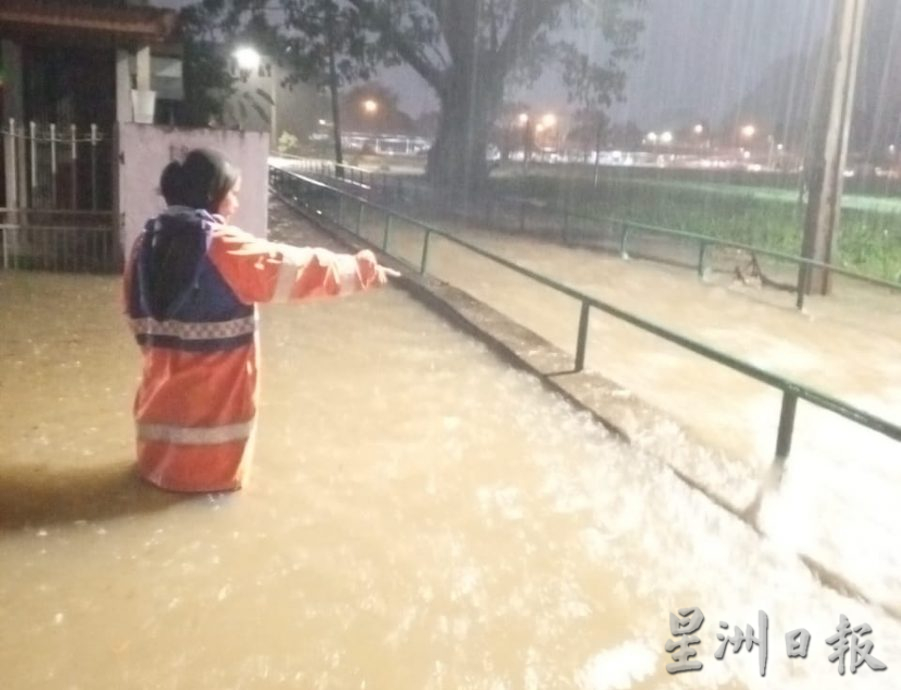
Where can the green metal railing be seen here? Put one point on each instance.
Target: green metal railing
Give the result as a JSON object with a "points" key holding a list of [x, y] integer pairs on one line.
{"points": [[524, 208], [707, 241], [306, 192]]}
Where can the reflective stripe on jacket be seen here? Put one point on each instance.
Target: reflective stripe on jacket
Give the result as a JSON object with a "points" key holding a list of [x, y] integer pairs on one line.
{"points": [[191, 286]]}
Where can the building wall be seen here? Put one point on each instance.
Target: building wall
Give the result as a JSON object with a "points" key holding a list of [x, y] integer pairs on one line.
{"points": [[146, 149]]}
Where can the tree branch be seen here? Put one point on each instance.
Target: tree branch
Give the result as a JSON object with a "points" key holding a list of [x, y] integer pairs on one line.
{"points": [[403, 45], [528, 19]]}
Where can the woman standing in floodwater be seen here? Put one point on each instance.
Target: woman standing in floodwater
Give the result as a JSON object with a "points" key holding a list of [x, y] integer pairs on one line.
{"points": [[191, 288]]}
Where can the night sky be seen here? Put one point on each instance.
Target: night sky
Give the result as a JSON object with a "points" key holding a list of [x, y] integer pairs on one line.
{"points": [[700, 57]]}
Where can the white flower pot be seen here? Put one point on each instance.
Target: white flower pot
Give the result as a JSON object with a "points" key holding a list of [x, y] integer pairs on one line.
{"points": [[143, 105]]}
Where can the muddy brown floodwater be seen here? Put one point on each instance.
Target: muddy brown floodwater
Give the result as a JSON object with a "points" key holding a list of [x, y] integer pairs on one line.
{"points": [[420, 517]]}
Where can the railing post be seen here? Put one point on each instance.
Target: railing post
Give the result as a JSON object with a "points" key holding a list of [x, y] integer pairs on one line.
{"points": [[581, 342], [387, 233], [10, 168], [94, 190], [53, 163], [425, 252], [786, 427], [360, 216], [622, 242], [701, 255], [73, 164], [802, 286], [33, 163]]}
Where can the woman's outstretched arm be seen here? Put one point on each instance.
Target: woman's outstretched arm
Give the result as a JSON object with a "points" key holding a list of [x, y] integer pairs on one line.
{"points": [[262, 271]]}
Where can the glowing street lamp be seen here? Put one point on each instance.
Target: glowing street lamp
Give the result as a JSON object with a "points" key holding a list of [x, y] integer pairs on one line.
{"points": [[248, 59], [652, 137], [549, 121], [748, 131], [370, 106], [666, 138], [699, 129], [523, 119]]}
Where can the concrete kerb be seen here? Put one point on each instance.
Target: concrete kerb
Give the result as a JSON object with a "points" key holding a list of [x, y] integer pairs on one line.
{"points": [[617, 409]]}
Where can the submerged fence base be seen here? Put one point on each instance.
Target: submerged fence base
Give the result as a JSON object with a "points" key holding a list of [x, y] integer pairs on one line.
{"points": [[59, 241]]}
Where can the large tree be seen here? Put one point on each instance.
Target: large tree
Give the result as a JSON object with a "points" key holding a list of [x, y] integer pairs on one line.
{"points": [[471, 51], [320, 42]]}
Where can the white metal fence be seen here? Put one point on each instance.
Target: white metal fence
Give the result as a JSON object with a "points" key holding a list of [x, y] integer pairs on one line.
{"points": [[58, 198]]}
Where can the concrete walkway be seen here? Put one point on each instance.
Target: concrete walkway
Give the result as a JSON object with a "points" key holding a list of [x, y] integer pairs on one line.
{"points": [[846, 346]]}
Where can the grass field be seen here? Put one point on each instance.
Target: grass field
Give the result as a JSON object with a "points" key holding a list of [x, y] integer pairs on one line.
{"points": [[759, 209], [769, 217]]}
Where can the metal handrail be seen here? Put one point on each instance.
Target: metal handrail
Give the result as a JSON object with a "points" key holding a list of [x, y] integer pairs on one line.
{"points": [[792, 390], [710, 240]]}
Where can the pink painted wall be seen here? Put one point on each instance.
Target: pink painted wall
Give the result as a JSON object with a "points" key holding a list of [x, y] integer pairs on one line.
{"points": [[144, 150]]}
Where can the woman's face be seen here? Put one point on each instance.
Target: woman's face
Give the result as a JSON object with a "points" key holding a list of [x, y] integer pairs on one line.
{"points": [[229, 204]]}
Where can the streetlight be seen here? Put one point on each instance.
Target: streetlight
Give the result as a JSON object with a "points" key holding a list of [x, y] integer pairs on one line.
{"points": [[699, 129], [248, 59], [548, 123], [652, 138], [666, 138], [370, 106], [748, 131], [523, 119]]}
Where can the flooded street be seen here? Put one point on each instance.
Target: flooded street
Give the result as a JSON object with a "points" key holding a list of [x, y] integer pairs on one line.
{"points": [[845, 346], [420, 516]]}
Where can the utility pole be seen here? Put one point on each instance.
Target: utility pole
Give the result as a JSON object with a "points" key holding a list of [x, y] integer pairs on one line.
{"points": [[827, 150]]}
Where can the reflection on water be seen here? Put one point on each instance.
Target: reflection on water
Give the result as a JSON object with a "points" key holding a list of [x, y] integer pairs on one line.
{"points": [[419, 517]]}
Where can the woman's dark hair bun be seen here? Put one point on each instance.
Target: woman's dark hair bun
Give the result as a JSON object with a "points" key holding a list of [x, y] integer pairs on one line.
{"points": [[201, 181], [171, 183]]}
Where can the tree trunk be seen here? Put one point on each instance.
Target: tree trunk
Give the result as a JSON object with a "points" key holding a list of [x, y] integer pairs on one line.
{"points": [[458, 159]]}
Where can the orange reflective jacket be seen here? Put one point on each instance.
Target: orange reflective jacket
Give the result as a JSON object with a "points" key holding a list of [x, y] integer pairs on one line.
{"points": [[191, 286]]}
